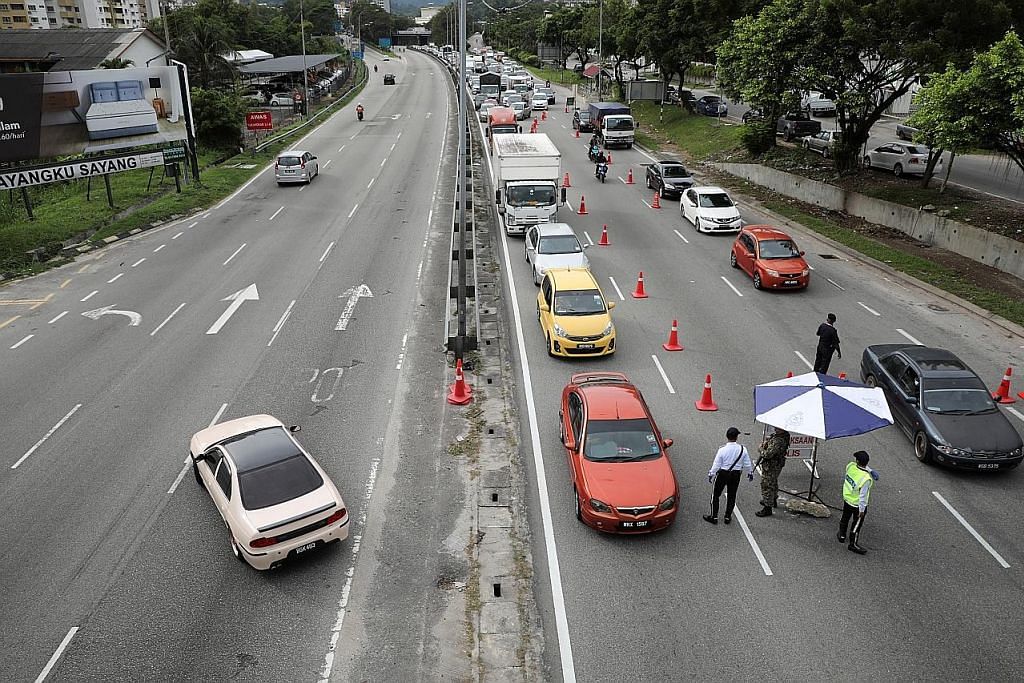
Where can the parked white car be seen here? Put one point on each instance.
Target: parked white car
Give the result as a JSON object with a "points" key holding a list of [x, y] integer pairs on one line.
{"points": [[281, 99], [817, 104], [900, 158], [553, 245], [710, 209]]}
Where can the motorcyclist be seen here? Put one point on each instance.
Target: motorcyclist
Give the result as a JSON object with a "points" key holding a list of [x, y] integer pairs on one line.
{"points": [[595, 152], [601, 166], [374, 68], [359, 111], [593, 140]]}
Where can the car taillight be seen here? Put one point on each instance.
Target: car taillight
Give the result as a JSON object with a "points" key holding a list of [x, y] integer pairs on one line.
{"points": [[914, 160], [337, 516], [262, 542]]}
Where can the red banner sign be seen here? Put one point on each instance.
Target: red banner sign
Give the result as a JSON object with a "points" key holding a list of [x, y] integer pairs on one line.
{"points": [[259, 120]]}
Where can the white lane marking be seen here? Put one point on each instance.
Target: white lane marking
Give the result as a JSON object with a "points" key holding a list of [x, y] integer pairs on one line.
{"points": [[353, 211], [428, 114], [56, 655], [370, 184], [159, 248], [661, 370], [354, 294], [617, 290], [353, 137], [250, 293], [115, 278], [194, 224], [274, 215], [399, 135], [46, 436], [569, 206], [188, 459], [733, 288], [166, 320], [234, 254], [22, 341], [753, 544], [383, 161], [315, 397], [59, 316], [341, 148], [590, 240], [401, 354], [326, 252], [681, 236], [811, 468], [835, 284], [554, 572], [139, 262], [90, 295], [280, 323], [1016, 413], [808, 363], [565, 126], [328, 163], [984, 544], [303, 188], [868, 308], [393, 146], [810, 266], [644, 202], [910, 338], [178, 235]]}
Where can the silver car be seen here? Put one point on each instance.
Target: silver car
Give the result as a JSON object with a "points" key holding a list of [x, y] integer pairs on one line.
{"points": [[485, 109], [900, 158], [823, 143], [295, 167], [553, 245]]}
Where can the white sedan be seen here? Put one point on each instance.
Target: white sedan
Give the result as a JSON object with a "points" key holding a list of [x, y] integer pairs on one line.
{"points": [[553, 245], [274, 498], [710, 209], [901, 158], [539, 101]]}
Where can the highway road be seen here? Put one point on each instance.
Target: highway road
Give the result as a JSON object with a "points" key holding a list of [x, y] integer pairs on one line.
{"points": [[765, 598], [116, 566]]}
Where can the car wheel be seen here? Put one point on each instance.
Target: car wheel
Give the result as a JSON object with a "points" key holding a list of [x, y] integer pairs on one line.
{"points": [[732, 259], [649, 183], [787, 135], [547, 340], [921, 447], [757, 280], [867, 161], [897, 170], [870, 381], [826, 153], [195, 471], [576, 498], [536, 277]]}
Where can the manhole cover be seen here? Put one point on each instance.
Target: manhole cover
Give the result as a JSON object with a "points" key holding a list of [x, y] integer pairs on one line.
{"points": [[832, 257]]}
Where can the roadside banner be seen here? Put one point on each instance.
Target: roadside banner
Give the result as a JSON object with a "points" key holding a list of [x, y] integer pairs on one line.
{"points": [[800, 446]]}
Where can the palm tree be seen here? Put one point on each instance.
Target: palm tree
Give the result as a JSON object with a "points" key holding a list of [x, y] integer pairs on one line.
{"points": [[116, 63]]}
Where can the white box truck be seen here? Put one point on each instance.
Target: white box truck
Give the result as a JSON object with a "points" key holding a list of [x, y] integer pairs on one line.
{"points": [[527, 171]]}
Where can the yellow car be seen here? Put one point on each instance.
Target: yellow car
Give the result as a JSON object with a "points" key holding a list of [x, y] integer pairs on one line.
{"points": [[574, 315]]}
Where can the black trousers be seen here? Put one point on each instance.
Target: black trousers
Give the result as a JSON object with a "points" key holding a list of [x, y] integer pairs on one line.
{"points": [[822, 359], [851, 512], [730, 481]]}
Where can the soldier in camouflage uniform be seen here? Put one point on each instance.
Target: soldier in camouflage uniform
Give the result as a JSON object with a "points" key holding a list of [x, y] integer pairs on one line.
{"points": [[773, 459]]}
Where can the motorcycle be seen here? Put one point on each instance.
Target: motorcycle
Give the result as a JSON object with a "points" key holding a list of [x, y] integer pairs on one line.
{"points": [[601, 171], [359, 114], [594, 153]]}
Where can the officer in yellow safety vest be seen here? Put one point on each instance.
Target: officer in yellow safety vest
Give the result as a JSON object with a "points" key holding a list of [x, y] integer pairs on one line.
{"points": [[856, 491]]}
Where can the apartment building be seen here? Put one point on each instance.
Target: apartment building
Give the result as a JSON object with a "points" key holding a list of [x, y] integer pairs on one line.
{"points": [[46, 14]]}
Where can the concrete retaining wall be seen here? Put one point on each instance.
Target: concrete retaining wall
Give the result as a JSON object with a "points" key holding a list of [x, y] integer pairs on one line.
{"points": [[978, 245]]}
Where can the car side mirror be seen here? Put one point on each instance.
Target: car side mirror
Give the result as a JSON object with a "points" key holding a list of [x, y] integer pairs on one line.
{"points": [[611, 305], [802, 253], [912, 400], [563, 195], [544, 307], [294, 428], [313, 157], [667, 443], [497, 196]]}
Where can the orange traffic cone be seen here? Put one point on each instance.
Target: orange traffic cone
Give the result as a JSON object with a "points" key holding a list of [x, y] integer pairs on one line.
{"points": [[461, 393], [609, 158], [639, 292], [603, 242], [789, 374], [842, 375], [656, 204], [577, 132], [543, 116], [583, 206], [1002, 394], [706, 402], [565, 180], [673, 339], [629, 177]]}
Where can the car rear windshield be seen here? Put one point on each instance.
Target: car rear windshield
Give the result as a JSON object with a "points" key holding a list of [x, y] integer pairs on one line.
{"points": [[579, 302], [916, 150], [278, 482], [289, 161], [958, 401], [560, 244], [715, 201], [778, 249], [620, 441], [675, 171]]}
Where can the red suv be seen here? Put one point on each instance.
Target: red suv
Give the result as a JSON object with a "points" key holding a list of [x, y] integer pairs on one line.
{"points": [[622, 477]]}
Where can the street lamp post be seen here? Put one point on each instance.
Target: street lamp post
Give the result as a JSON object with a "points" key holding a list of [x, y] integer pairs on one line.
{"points": [[305, 72], [600, 44], [460, 170]]}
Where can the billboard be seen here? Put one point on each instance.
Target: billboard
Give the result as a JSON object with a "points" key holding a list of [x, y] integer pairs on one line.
{"points": [[68, 113], [259, 120], [384, 43]]}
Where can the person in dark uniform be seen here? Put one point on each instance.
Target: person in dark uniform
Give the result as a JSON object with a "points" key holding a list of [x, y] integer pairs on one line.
{"points": [[828, 343], [773, 459]]}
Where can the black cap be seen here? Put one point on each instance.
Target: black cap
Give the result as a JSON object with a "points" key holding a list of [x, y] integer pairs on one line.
{"points": [[732, 433], [861, 457]]}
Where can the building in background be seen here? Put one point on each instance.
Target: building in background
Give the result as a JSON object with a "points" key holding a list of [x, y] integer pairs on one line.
{"points": [[383, 4], [426, 14], [23, 51], [46, 14]]}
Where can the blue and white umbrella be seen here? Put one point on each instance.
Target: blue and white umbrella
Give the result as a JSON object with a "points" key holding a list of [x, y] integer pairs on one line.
{"points": [[821, 406]]}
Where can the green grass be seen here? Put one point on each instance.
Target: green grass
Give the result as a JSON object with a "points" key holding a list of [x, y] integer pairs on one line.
{"points": [[1010, 308], [564, 77], [699, 136]]}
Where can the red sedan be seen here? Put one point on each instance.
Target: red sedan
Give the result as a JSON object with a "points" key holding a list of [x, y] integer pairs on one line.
{"points": [[622, 478], [770, 257]]}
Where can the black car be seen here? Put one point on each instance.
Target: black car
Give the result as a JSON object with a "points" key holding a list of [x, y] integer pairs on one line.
{"points": [[581, 121], [669, 177], [389, 79], [943, 407], [711, 105]]}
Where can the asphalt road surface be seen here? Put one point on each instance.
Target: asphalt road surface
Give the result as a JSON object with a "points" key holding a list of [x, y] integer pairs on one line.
{"points": [[775, 598], [116, 564]]}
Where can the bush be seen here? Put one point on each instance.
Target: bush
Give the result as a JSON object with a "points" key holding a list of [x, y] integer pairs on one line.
{"points": [[758, 137], [533, 60], [219, 116]]}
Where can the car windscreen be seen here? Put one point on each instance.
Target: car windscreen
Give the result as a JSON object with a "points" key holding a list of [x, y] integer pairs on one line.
{"points": [[289, 161], [579, 302], [715, 201], [957, 401], [778, 249], [278, 482], [675, 171], [620, 441], [619, 124], [505, 128], [531, 195], [559, 244]]}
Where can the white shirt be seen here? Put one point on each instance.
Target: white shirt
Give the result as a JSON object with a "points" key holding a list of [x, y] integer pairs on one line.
{"points": [[725, 457]]}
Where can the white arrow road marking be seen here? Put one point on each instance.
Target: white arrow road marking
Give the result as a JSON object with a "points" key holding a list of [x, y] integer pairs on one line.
{"points": [[236, 299], [353, 294], [133, 317]]}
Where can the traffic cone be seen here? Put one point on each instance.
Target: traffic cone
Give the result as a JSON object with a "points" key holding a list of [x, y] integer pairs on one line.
{"points": [[629, 177], [583, 206], [461, 393], [577, 132], [543, 116], [1002, 394], [603, 242], [565, 181], [673, 339], [842, 375], [639, 292], [706, 402], [656, 204], [609, 158], [789, 374]]}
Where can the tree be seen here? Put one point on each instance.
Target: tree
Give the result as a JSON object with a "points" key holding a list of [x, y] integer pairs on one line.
{"points": [[566, 27], [219, 115], [943, 120], [116, 63]]}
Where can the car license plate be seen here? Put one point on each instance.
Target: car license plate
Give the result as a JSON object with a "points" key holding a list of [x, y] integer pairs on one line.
{"points": [[792, 282], [584, 346], [988, 466], [307, 546], [289, 172], [636, 525]]}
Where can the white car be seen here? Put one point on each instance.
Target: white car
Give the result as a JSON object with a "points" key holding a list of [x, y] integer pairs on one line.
{"points": [[900, 158], [281, 99], [710, 209], [295, 167], [520, 109], [817, 104], [553, 245], [276, 501], [539, 101]]}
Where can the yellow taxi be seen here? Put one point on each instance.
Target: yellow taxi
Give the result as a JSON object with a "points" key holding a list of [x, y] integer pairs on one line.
{"points": [[574, 315]]}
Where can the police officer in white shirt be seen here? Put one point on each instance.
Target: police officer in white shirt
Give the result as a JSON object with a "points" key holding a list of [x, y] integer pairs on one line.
{"points": [[731, 461]]}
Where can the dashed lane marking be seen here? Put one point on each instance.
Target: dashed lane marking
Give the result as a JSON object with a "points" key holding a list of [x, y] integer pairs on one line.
{"points": [[353, 211], [680, 235], [868, 308], [590, 240], [178, 235], [46, 436], [115, 278], [56, 655], [139, 262], [970, 529], [835, 284], [90, 295], [731, 286], [25, 339], [167, 320], [274, 215], [753, 544], [617, 290], [909, 337], [65, 283], [806, 362], [9, 321], [188, 459], [234, 254], [664, 376], [59, 316]]}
